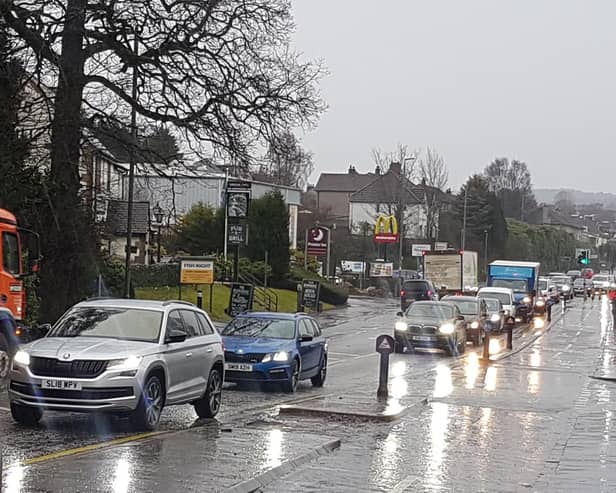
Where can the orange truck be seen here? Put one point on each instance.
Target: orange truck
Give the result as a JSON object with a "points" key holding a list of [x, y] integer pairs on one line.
{"points": [[19, 253]]}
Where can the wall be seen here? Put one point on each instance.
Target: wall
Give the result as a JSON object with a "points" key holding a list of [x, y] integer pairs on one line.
{"points": [[116, 247]]}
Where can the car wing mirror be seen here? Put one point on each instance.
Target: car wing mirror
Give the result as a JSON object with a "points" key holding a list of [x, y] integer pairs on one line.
{"points": [[44, 329], [460, 317], [305, 338], [176, 336], [400, 314]]}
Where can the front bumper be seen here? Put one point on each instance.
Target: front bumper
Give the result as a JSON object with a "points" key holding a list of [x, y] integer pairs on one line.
{"points": [[423, 340], [261, 372], [109, 392]]}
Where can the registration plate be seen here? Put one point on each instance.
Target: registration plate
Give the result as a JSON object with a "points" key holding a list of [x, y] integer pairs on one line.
{"points": [[423, 338], [60, 384], [238, 367]]}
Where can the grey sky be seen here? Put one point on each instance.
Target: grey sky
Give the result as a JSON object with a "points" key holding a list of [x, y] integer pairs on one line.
{"points": [[533, 80]]}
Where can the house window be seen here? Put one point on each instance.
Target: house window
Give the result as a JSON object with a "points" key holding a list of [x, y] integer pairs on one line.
{"points": [[134, 250]]}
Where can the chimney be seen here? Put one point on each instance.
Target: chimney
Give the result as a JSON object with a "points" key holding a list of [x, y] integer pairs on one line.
{"points": [[377, 170], [352, 170], [395, 168]]}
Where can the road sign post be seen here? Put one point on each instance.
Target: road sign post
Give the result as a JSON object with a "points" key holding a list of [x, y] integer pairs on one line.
{"points": [[384, 346], [510, 323]]}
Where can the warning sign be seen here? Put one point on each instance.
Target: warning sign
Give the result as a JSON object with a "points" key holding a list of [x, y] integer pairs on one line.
{"points": [[385, 344], [197, 272]]}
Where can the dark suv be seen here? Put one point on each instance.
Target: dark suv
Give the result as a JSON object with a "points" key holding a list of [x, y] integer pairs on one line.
{"points": [[416, 290]]}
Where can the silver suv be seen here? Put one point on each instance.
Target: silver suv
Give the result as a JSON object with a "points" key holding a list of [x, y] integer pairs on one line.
{"points": [[121, 356]]}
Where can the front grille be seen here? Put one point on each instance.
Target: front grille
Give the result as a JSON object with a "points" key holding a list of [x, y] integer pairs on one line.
{"points": [[79, 368], [423, 329], [85, 394], [231, 357]]}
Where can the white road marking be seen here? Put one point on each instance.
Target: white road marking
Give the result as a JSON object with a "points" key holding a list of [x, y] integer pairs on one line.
{"points": [[342, 362], [5, 409], [343, 354]]}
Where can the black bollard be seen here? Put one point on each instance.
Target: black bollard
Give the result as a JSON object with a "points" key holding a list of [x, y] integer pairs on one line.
{"points": [[509, 335], [486, 345], [384, 346], [199, 298]]}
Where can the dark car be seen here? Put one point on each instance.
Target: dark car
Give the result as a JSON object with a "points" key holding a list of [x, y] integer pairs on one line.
{"points": [[582, 287], [416, 290], [496, 314], [475, 313], [430, 324], [280, 348]]}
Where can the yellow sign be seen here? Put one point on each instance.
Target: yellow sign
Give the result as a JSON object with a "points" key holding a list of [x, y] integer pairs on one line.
{"points": [[386, 224], [197, 272]]}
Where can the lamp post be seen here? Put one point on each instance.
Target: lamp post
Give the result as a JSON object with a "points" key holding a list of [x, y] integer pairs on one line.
{"points": [[158, 217], [463, 242], [401, 225], [131, 172], [485, 251]]}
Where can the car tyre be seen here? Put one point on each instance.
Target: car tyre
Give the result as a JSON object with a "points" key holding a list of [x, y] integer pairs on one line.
{"points": [[319, 379], [209, 405], [148, 412], [462, 345], [398, 347], [290, 385], [26, 415]]}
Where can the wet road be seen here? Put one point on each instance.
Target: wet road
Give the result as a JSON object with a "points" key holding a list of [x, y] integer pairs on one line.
{"points": [[473, 409]]}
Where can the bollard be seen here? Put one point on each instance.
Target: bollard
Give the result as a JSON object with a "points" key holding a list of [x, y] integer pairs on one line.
{"points": [[384, 346], [300, 308], [199, 298], [510, 334], [486, 345]]}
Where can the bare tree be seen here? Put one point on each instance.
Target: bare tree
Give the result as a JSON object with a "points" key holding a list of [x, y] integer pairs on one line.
{"points": [[434, 175], [221, 72], [511, 181], [286, 162], [402, 155]]}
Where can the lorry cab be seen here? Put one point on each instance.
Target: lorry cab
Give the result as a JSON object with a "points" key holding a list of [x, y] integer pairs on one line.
{"points": [[13, 242], [522, 278]]}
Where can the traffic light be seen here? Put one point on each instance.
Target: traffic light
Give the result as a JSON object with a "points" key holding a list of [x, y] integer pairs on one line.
{"points": [[584, 257]]}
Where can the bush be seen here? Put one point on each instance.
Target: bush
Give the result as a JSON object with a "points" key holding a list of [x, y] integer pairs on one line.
{"points": [[329, 293]]}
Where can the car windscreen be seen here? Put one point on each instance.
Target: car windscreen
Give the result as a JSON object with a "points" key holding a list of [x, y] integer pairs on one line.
{"points": [[465, 307], [129, 324], [543, 284], [601, 278], [275, 328], [504, 298], [560, 281], [580, 282], [492, 304], [518, 285], [430, 311]]}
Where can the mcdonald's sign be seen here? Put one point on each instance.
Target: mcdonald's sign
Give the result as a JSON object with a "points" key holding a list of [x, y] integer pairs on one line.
{"points": [[386, 230]]}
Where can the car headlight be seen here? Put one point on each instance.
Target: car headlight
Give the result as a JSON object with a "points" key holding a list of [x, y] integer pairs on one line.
{"points": [[566, 288], [613, 285], [401, 326], [280, 356], [506, 312], [495, 317], [446, 329], [130, 363], [474, 325], [540, 303], [22, 358], [526, 299]]}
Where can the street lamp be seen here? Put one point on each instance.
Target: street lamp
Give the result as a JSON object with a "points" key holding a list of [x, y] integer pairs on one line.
{"points": [[401, 225], [158, 217], [485, 251]]}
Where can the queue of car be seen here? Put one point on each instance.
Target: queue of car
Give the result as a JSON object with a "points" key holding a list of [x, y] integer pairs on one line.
{"points": [[132, 358]]}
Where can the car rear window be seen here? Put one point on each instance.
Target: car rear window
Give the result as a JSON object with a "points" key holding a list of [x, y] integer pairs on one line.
{"points": [[416, 287], [504, 298]]}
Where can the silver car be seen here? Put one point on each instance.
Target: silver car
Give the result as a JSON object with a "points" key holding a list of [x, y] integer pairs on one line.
{"points": [[121, 356]]}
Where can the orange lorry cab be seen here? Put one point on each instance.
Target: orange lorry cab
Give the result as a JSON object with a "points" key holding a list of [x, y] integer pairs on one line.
{"points": [[12, 239]]}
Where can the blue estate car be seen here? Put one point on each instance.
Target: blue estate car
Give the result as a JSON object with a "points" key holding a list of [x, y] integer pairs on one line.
{"points": [[281, 348]]}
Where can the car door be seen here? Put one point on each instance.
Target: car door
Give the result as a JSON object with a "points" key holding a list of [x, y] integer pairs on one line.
{"points": [[199, 352], [213, 348], [320, 342], [308, 349], [180, 367]]}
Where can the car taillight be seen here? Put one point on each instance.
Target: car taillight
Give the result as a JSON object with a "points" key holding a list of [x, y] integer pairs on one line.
{"points": [[429, 293], [402, 292]]}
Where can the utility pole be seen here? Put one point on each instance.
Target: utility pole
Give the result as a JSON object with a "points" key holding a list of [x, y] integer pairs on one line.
{"points": [[485, 251], [463, 242], [401, 229]]}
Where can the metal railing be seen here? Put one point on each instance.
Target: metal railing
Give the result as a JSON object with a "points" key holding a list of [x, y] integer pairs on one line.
{"points": [[264, 297]]}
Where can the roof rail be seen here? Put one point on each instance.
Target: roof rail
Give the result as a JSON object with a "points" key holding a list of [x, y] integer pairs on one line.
{"points": [[180, 302]]}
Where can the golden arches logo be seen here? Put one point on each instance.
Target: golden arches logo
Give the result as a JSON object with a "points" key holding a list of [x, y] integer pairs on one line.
{"points": [[386, 224]]}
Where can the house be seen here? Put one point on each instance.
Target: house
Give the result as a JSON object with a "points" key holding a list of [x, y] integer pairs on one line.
{"points": [[551, 216], [384, 195], [178, 189], [334, 190], [115, 230]]}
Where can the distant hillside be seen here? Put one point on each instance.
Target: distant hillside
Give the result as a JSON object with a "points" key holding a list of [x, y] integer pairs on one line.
{"points": [[547, 195]]}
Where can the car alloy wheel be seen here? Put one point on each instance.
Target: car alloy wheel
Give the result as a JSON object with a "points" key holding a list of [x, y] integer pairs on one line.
{"points": [[5, 364], [153, 400], [291, 383], [214, 391], [319, 379]]}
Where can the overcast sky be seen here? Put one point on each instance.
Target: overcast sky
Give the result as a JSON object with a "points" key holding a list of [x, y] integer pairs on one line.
{"points": [[533, 80]]}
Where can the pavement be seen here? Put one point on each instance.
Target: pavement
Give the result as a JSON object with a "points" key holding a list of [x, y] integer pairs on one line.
{"points": [[538, 418]]}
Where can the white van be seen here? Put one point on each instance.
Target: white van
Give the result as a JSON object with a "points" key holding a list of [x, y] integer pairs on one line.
{"points": [[504, 295]]}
